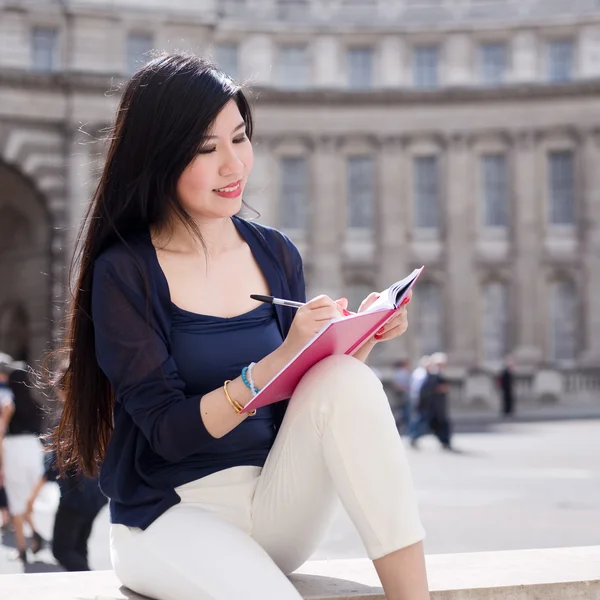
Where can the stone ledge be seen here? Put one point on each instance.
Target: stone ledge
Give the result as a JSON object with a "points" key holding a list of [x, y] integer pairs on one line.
{"points": [[553, 574]]}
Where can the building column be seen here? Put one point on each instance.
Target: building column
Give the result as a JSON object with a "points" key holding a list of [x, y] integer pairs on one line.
{"points": [[261, 192], [591, 249], [461, 283], [392, 230], [528, 238], [82, 174], [327, 222]]}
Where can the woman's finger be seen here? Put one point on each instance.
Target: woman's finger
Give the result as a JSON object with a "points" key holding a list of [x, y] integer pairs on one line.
{"points": [[368, 301], [388, 333], [325, 313]]}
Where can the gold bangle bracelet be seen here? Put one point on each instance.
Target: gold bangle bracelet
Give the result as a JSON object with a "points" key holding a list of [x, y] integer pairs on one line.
{"points": [[234, 403]]}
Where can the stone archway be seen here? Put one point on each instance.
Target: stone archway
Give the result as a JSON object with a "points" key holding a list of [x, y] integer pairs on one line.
{"points": [[32, 239], [25, 287]]}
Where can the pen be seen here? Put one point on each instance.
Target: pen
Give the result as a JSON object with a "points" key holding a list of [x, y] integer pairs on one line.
{"points": [[282, 302], [273, 300]]}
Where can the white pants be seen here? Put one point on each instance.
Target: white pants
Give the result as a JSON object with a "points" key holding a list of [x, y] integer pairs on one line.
{"points": [[23, 468], [236, 532]]}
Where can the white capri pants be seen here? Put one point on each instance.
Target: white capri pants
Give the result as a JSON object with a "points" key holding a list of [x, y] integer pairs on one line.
{"points": [[23, 468], [236, 533]]}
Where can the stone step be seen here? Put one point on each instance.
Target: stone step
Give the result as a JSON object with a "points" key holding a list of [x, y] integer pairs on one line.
{"points": [[548, 574]]}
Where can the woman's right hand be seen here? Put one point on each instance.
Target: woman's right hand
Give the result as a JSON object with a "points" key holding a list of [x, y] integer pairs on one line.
{"points": [[308, 321]]}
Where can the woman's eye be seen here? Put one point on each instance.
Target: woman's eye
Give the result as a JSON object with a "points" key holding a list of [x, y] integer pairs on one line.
{"points": [[206, 150], [241, 139]]}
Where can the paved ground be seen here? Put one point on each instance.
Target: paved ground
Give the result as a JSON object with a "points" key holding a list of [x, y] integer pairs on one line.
{"points": [[514, 485]]}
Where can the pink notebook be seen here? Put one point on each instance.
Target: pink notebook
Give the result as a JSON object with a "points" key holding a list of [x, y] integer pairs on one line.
{"points": [[341, 336]]}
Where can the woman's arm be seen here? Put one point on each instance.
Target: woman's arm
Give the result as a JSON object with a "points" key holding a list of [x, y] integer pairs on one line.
{"points": [[133, 352]]}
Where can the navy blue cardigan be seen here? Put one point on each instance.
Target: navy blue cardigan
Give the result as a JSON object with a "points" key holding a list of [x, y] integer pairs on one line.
{"points": [[131, 311]]}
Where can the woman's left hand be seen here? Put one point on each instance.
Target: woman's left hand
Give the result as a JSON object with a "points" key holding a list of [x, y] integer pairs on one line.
{"points": [[395, 326]]}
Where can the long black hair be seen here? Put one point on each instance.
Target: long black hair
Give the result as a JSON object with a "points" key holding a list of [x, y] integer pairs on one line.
{"points": [[166, 111]]}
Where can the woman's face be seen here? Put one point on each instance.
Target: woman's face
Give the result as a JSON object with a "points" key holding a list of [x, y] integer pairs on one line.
{"points": [[211, 186]]}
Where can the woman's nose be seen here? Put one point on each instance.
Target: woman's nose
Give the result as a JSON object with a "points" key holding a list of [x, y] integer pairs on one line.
{"points": [[232, 164]]}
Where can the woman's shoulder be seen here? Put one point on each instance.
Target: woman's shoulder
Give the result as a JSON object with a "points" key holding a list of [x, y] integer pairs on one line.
{"points": [[277, 240], [126, 251], [129, 259]]}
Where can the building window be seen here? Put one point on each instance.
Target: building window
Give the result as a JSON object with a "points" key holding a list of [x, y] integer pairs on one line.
{"points": [[425, 67], [44, 47], [493, 63], [560, 61], [294, 71], [426, 192], [361, 192], [563, 321], [495, 190], [360, 68], [495, 321], [294, 192], [430, 320], [561, 182], [139, 46], [227, 59]]}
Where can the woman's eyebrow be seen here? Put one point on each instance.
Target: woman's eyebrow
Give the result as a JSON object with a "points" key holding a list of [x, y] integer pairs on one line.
{"points": [[242, 125]]}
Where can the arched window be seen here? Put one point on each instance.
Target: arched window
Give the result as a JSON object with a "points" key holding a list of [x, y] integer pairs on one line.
{"points": [[495, 321], [430, 322], [563, 320]]}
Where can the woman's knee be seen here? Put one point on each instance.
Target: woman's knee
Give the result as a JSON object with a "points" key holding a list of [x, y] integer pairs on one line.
{"points": [[341, 378]]}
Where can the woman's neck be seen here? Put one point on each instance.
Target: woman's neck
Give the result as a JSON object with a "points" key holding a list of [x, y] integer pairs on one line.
{"points": [[219, 236]]}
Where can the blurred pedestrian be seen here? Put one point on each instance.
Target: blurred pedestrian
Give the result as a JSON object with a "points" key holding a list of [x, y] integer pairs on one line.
{"points": [[401, 378], [417, 378], [80, 502], [22, 456], [433, 404], [6, 399], [506, 384]]}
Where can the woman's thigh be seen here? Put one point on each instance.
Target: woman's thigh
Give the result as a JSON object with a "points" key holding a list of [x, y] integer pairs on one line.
{"points": [[191, 554], [296, 494]]}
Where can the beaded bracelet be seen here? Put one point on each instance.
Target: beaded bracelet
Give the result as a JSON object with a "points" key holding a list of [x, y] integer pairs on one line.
{"points": [[248, 379]]}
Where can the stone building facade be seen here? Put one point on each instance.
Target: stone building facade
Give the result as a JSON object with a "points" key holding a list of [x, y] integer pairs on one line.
{"points": [[459, 134]]}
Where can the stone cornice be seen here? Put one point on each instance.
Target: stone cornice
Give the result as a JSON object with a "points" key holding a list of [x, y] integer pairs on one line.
{"points": [[87, 83]]}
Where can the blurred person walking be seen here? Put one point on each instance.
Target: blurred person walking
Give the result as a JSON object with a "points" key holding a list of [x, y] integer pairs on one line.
{"points": [[6, 399], [22, 455], [506, 383], [417, 378], [80, 502], [433, 404], [401, 379]]}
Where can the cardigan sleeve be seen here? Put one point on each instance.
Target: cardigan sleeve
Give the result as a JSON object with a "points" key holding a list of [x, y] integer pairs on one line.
{"points": [[133, 353]]}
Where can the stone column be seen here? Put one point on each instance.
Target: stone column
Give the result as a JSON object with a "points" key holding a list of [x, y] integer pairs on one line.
{"points": [[81, 181], [524, 52], [461, 283], [392, 51], [393, 251], [528, 239], [256, 59], [591, 249], [261, 193], [327, 70], [327, 222], [458, 69]]}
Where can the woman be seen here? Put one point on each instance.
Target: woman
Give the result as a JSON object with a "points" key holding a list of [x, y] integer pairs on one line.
{"points": [[207, 502]]}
